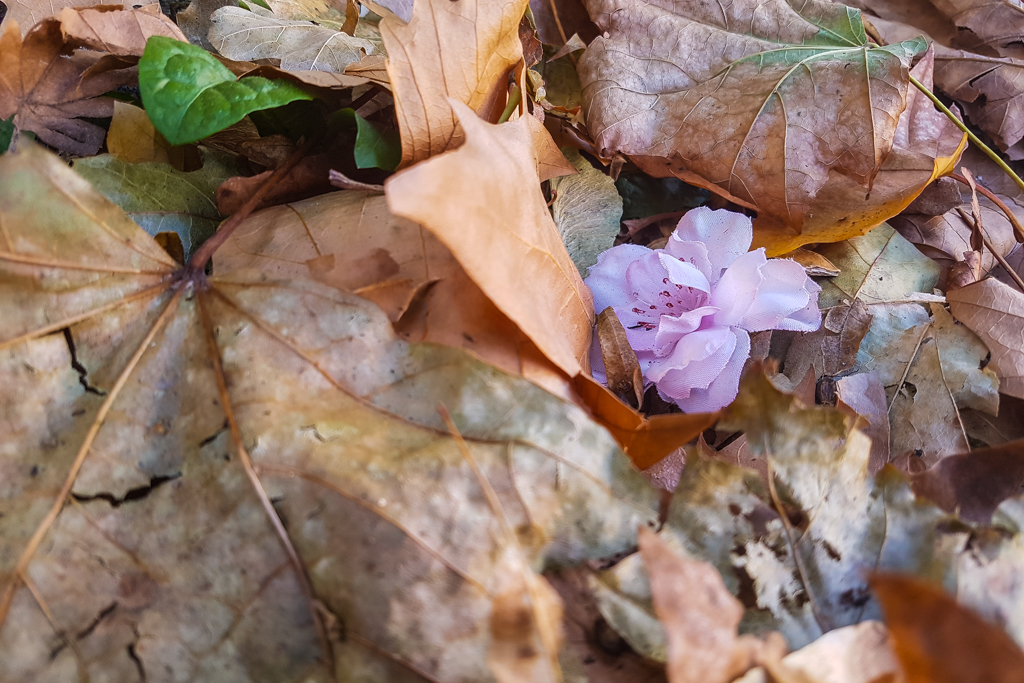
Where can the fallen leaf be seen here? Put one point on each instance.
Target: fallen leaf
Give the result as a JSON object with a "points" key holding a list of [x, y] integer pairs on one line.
{"points": [[121, 32], [587, 210], [558, 20], [248, 35], [700, 617], [195, 20], [483, 202], [973, 484], [749, 124], [27, 14], [469, 66], [939, 641], [146, 447], [160, 198], [864, 394], [53, 95], [993, 311], [985, 27], [132, 137]]}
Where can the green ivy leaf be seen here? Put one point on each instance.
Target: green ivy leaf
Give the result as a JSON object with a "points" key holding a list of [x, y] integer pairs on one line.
{"points": [[189, 95], [376, 146], [6, 133]]}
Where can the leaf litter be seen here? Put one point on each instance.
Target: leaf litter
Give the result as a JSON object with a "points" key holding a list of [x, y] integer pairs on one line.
{"points": [[362, 441]]}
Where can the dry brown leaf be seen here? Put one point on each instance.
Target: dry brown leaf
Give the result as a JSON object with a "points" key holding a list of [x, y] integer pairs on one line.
{"points": [[939, 641], [862, 653], [742, 119], [973, 484], [27, 13], [53, 95], [133, 138], [701, 618], [483, 201], [122, 32], [461, 51], [622, 369], [985, 26], [559, 20], [995, 312]]}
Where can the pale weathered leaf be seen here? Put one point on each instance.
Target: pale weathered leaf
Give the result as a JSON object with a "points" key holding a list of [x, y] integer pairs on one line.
{"points": [[195, 21], [780, 108], [191, 450], [122, 32], [248, 35], [587, 210], [27, 13], [461, 51], [995, 312], [160, 198]]}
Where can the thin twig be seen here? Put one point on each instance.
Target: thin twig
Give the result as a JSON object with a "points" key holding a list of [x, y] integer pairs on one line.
{"points": [[994, 198], [998, 257], [906, 371], [197, 264], [970, 136]]}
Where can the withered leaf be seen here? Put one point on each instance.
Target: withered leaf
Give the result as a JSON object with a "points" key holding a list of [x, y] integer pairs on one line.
{"points": [[767, 103], [191, 454], [995, 312], [985, 26], [53, 95], [622, 369], [483, 201], [122, 32], [27, 13], [939, 641], [461, 51]]}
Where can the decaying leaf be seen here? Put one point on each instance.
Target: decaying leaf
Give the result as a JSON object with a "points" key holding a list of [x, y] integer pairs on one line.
{"points": [[197, 18], [973, 484], [842, 523], [133, 138], [587, 210], [255, 33], [622, 369], [994, 312], [939, 641], [27, 13], [434, 59], [54, 95], [121, 32], [864, 394], [160, 198], [236, 465], [791, 112], [700, 618], [985, 26], [484, 203]]}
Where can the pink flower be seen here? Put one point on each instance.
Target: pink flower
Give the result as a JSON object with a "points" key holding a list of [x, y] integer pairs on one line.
{"points": [[688, 308]]}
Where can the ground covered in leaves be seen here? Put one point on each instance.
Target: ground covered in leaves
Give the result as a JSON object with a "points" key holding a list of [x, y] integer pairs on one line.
{"points": [[302, 378]]}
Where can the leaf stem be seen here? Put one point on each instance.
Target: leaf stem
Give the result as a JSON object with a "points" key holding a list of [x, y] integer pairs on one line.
{"points": [[514, 98], [197, 264], [1018, 229], [970, 136]]}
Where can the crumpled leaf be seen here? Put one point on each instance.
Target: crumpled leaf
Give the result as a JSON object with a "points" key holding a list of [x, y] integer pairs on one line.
{"points": [[53, 95], [160, 198], [973, 484], [987, 27], [252, 34], [185, 90], [587, 210], [27, 13], [151, 470], [121, 32], [700, 618], [434, 58], [939, 641], [994, 312], [735, 99], [845, 524], [483, 202]]}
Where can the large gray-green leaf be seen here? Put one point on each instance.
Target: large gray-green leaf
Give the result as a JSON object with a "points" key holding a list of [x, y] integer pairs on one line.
{"points": [[587, 210], [242, 478], [248, 35], [160, 198]]}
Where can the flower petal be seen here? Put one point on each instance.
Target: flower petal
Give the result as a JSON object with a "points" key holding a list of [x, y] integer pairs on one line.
{"points": [[726, 386], [808, 318], [684, 273], [672, 328], [735, 292], [694, 253], [727, 235], [607, 279], [780, 294], [694, 362]]}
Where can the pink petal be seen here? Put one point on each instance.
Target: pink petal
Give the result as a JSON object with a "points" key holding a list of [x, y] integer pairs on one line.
{"points": [[725, 387], [694, 362], [807, 319], [607, 276], [727, 235], [684, 273], [780, 294], [735, 292], [694, 253], [672, 328]]}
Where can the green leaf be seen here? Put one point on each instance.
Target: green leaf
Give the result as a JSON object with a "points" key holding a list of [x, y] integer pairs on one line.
{"points": [[189, 95], [160, 198], [6, 133], [376, 146]]}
